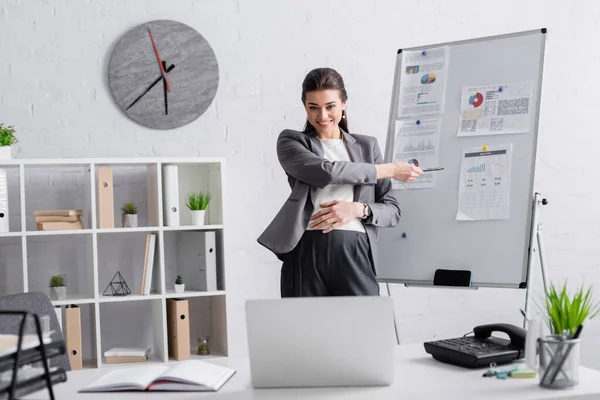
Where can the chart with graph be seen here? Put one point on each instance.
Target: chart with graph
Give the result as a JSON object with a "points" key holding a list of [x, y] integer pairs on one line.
{"points": [[484, 191]]}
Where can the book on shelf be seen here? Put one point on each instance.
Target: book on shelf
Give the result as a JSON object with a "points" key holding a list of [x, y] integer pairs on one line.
{"points": [[56, 220], [189, 375], [59, 226], [148, 263], [125, 359], [127, 352], [58, 213]]}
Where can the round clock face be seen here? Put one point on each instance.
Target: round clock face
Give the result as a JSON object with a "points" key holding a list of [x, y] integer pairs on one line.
{"points": [[163, 74]]}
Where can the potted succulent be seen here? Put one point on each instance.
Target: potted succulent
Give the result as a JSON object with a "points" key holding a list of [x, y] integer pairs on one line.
{"points": [[179, 285], [58, 287], [197, 203], [129, 217], [7, 139]]}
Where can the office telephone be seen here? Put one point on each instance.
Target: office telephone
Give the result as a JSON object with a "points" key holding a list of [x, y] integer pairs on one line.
{"points": [[481, 349]]}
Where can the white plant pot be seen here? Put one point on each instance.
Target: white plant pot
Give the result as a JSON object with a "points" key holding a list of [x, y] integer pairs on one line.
{"points": [[198, 217], [5, 153], [129, 220], [58, 293], [179, 288]]}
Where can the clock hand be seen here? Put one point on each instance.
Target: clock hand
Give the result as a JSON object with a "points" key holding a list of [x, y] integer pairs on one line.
{"points": [[151, 86], [160, 64], [164, 64]]}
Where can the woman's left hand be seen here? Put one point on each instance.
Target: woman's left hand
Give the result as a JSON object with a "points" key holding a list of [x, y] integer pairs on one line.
{"points": [[335, 213]]}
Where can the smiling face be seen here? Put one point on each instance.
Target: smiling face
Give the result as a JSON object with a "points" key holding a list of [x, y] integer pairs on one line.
{"points": [[324, 112]]}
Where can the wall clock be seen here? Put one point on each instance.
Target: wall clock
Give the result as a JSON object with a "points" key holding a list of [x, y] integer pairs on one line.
{"points": [[163, 74]]}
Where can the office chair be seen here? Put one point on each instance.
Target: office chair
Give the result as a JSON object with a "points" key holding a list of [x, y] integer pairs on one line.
{"points": [[40, 304]]}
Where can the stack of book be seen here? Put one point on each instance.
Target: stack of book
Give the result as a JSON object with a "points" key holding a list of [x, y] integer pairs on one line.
{"points": [[55, 220], [126, 355]]}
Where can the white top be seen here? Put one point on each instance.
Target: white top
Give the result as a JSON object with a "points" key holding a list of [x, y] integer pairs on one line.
{"points": [[417, 376], [335, 150]]}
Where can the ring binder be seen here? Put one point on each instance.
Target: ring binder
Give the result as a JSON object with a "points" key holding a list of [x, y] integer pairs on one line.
{"points": [[40, 353]]}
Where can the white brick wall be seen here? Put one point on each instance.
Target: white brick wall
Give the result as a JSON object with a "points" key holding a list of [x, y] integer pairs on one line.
{"points": [[53, 88]]}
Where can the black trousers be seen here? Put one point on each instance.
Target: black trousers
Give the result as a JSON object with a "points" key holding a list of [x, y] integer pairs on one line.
{"points": [[337, 263]]}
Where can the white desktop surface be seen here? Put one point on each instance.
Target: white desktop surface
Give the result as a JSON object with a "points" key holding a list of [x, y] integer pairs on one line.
{"points": [[417, 376]]}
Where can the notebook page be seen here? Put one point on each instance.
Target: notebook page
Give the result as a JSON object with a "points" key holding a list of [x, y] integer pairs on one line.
{"points": [[197, 372], [124, 378]]}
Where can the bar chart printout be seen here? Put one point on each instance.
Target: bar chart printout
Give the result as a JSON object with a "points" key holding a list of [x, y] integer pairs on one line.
{"points": [[484, 192]]}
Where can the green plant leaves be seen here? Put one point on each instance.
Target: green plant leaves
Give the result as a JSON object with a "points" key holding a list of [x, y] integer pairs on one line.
{"points": [[197, 201], [58, 281], [7, 135], [565, 313], [129, 208]]}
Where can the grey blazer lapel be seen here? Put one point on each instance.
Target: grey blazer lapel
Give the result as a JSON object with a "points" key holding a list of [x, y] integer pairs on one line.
{"points": [[355, 153], [317, 148]]}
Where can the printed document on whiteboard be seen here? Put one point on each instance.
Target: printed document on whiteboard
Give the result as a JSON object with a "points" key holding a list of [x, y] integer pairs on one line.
{"points": [[422, 82], [417, 143], [495, 109], [484, 191]]}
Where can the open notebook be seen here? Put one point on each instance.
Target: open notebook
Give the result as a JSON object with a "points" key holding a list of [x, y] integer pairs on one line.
{"points": [[189, 375]]}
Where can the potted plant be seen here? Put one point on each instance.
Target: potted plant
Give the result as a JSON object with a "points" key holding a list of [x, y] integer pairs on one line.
{"points": [[179, 285], [197, 203], [58, 287], [129, 217], [7, 139], [565, 316], [564, 313]]}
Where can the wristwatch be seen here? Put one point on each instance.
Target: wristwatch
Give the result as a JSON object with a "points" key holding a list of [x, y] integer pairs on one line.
{"points": [[366, 212]]}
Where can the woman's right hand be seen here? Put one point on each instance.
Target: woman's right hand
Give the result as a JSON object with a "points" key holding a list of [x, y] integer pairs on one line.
{"points": [[401, 171]]}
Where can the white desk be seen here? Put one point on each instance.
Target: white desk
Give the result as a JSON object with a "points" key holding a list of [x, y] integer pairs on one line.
{"points": [[417, 376]]}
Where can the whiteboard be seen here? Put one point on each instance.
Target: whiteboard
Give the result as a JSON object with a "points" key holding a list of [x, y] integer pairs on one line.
{"points": [[429, 236]]}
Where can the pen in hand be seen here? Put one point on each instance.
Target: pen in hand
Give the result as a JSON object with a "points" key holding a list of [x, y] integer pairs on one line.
{"points": [[433, 169]]}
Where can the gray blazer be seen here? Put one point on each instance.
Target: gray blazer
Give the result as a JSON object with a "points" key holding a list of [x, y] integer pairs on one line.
{"points": [[301, 157]]}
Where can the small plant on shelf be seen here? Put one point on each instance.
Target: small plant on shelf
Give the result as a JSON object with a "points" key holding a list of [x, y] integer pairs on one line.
{"points": [[179, 284], [203, 348], [197, 203], [129, 215], [58, 287], [7, 139]]}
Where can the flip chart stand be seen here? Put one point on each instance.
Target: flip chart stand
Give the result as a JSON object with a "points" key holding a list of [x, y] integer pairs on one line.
{"points": [[536, 230]]}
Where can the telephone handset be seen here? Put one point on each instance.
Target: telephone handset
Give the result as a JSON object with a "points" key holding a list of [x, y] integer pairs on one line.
{"points": [[481, 349], [517, 335]]}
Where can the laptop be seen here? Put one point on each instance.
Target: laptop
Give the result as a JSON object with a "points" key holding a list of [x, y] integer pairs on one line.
{"points": [[321, 341]]}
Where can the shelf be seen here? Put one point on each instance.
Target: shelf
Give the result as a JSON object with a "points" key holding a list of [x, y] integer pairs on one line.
{"points": [[89, 258], [111, 161], [131, 297], [195, 356], [113, 230], [193, 293], [73, 299], [10, 234], [56, 233], [193, 228], [129, 230]]}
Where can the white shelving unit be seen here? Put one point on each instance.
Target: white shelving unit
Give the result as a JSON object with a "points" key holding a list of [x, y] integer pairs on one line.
{"points": [[90, 257]]}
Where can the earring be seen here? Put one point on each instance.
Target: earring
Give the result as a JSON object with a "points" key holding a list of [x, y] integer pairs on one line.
{"points": [[343, 113]]}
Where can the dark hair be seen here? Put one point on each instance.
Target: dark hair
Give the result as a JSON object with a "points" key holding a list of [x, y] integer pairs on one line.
{"points": [[323, 79]]}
